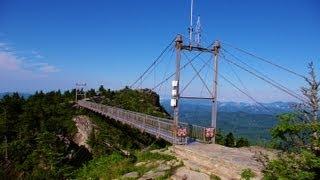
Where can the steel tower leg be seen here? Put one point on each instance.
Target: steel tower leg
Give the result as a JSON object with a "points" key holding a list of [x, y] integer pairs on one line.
{"points": [[178, 44], [215, 89]]}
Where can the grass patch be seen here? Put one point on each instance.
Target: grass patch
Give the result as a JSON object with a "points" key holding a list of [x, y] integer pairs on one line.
{"points": [[116, 165], [247, 174], [107, 167], [214, 177], [149, 156]]}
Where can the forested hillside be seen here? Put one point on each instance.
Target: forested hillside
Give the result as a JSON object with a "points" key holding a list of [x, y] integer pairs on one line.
{"points": [[37, 133], [37, 138], [252, 126]]}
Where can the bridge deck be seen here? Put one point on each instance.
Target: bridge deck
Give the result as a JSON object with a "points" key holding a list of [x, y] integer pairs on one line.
{"points": [[159, 127]]}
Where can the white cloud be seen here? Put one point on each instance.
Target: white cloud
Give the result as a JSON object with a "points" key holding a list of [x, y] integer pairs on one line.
{"points": [[37, 54], [12, 62], [4, 47], [2, 44], [46, 68], [9, 62]]}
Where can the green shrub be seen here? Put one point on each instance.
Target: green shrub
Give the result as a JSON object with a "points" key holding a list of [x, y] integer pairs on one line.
{"points": [[242, 142], [115, 165], [214, 177], [305, 165], [146, 156], [247, 174], [229, 140], [107, 167]]}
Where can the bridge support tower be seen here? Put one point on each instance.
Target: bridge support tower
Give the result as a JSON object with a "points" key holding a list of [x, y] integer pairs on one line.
{"points": [[176, 84], [80, 91]]}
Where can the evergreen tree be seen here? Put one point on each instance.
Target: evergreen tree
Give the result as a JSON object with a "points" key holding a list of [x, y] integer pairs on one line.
{"points": [[229, 140], [91, 93], [241, 142], [297, 134], [219, 137], [102, 90], [11, 108]]}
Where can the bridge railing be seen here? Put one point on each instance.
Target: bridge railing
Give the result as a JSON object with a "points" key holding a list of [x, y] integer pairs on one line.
{"points": [[160, 127]]}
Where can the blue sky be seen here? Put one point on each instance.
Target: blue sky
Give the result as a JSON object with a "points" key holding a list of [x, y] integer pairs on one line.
{"points": [[48, 45]]}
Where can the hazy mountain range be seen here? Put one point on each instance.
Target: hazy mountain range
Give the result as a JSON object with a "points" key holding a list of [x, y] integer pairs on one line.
{"points": [[272, 108], [248, 120], [243, 119], [25, 95]]}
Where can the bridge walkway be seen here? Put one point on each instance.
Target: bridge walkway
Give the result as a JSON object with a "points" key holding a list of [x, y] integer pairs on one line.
{"points": [[159, 127]]}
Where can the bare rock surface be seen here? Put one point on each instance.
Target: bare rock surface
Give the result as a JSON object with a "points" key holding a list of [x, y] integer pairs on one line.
{"points": [[225, 162], [163, 167], [183, 173], [140, 164], [152, 175], [131, 175], [85, 127]]}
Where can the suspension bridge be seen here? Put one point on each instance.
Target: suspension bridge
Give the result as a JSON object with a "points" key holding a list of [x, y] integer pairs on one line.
{"points": [[173, 130]]}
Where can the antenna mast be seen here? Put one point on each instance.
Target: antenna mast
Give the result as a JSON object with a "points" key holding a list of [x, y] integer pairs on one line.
{"points": [[196, 31], [191, 23], [197, 37], [194, 45]]}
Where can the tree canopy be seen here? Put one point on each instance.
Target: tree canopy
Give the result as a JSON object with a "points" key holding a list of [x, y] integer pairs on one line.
{"points": [[297, 135]]}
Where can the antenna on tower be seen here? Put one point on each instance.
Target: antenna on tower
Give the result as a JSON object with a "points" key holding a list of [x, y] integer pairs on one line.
{"points": [[197, 37], [191, 23], [196, 31]]}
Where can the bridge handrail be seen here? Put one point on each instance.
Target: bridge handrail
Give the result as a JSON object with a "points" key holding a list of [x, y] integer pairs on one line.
{"points": [[155, 125], [100, 106], [164, 120]]}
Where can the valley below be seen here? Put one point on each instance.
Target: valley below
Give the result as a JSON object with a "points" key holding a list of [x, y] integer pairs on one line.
{"points": [[242, 119]]}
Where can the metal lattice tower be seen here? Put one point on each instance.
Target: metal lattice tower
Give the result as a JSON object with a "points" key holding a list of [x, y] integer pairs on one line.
{"points": [[176, 82], [80, 91], [197, 37], [190, 29], [195, 45]]}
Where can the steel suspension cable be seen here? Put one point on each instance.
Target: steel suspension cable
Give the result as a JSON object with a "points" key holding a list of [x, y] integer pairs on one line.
{"points": [[264, 79], [166, 71], [181, 68], [153, 69], [243, 92], [261, 74], [236, 75], [241, 82], [265, 60], [236, 87], [154, 62], [201, 68], [198, 74], [201, 91]]}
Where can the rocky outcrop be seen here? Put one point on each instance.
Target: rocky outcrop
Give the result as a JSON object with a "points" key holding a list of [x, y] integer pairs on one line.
{"points": [[154, 169], [85, 127], [225, 162], [184, 173], [131, 175]]}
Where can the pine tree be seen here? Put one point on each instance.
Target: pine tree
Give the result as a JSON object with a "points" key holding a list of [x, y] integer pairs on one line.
{"points": [[229, 140]]}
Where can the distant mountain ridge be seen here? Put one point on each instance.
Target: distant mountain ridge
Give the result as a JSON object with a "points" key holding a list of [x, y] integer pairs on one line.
{"points": [[273, 108], [264, 108], [25, 95], [243, 119]]}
